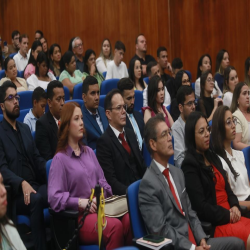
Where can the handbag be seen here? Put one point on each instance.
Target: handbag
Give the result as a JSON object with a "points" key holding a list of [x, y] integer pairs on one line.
{"points": [[116, 206]]}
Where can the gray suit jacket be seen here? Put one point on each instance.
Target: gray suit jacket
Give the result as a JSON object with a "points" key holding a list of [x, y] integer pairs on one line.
{"points": [[160, 212]]}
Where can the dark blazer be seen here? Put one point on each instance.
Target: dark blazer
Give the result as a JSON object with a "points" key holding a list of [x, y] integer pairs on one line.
{"points": [[201, 189], [114, 159], [11, 159], [140, 122], [92, 128], [46, 137]]}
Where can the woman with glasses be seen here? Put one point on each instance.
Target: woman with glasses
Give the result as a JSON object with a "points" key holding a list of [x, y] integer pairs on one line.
{"points": [[207, 104], [207, 183], [240, 110]]}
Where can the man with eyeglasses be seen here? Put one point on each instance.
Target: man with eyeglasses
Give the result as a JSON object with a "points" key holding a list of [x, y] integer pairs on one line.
{"points": [[117, 149], [14, 47], [47, 126], [21, 165], [77, 48], [186, 102]]}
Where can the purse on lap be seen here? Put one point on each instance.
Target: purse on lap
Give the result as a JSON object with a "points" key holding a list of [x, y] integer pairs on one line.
{"points": [[116, 206]]}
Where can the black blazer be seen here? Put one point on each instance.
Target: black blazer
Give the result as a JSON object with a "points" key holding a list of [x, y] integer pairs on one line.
{"points": [[11, 159], [114, 160], [46, 136], [140, 122], [201, 190]]}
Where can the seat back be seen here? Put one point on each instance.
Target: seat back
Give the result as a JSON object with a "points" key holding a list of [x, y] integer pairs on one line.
{"points": [[104, 74], [20, 74], [66, 93], [193, 85], [189, 75], [101, 101], [2, 74], [77, 92], [12, 55], [108, 85], [23, 113], [48, 164], [168, 108], [25, 99], [80, 102], [146, 80], [246, 152], [1, 117], [138, 100]]}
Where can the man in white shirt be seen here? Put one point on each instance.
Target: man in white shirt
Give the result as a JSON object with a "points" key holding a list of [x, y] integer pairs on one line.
{"points": [[22, 58], [117, 68]]}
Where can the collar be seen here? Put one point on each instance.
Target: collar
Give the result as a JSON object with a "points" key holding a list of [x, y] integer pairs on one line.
{"points": [[55, 120], [21, 57], [97, 114], [10, 126], [161, 168], [77, 60], [32, 115], [70, 151], [181, 121], [116, 131], [231, 157], [130, 115]]}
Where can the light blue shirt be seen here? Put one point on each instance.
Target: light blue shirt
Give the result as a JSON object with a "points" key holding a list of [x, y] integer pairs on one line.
{"points": [[30, 120]]}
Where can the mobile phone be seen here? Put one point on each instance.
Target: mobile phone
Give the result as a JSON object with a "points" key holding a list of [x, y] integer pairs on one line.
{"points": [[4, 43], [153, 238]]}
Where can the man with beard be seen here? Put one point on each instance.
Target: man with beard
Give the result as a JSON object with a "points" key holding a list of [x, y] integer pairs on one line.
{"points": [[21, 165], [134, 120], [117, 149], [94, 118]]}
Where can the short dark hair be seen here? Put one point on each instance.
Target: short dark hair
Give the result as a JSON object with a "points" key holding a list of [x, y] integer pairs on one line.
{"points": [[15, 33], [38, 94], [34, 46], [136, 40], [108, 98], [89, 80], [66, 58], [41, 57], [159, 50], [125, 84], [7, 84], [120, 46], [200, 64], [51, 86], [219, 59], [22, 36], [177, 63], [149, 66], [182, 92], [150, 129], [203, 82], [6, 61], [39, 32]]}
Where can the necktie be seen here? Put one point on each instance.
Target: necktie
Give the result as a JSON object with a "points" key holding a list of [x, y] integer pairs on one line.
{"points": [[166, 174], [137, 131], [59, 122], [124, 143]]}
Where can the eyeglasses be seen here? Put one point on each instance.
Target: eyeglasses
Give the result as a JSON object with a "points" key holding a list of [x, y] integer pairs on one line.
{"points": [[166, 133], [230, 122], [191, 103], [210, 80], [11, 98], [203, 133], [120, 107], [186, 81], [78, 45]]}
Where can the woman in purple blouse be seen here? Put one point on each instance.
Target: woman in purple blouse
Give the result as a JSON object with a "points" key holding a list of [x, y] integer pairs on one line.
{"points": [[74, 171]]}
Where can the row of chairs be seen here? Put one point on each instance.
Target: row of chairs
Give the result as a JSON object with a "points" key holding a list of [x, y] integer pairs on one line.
{"points": [[19, 74]]}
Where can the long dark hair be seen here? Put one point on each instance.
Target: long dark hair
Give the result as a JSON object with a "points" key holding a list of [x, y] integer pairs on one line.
{"points": [[200, 64], [178, 79], [41, 57], [219, 59], [203, 82], [131, 73], [66, 58], [34, 46], [219, 136], [236, 95], [226, 78]]}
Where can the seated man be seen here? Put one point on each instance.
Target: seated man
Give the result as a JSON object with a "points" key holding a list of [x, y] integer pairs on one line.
{"points": [[186, 102], [47, 126], [21, 165], [77, 48], [152, 70], [134, 120], [177, 65], [117, 149], [94, 118], [39, 100], [15, 46], [163, 200]]}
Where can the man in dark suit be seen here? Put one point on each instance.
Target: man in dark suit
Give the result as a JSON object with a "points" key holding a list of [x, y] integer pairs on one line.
{"points": [[21, 165], [163, 200], [47, 126], [95, 120], [134, 120], [117, 149]]}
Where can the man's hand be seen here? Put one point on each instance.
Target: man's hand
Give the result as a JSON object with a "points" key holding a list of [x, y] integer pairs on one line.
{"points": [[27, 190], [235, 214], [203, 244]]}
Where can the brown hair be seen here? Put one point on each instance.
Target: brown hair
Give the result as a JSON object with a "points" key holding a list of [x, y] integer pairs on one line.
{"points": [[63, 132]]}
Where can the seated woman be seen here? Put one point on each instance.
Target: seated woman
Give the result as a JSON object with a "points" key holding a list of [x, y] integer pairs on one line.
{"points": [[233, 161], [90, 67], [55, 58], [42, 76], [230, 81], [206, 104], [240, 110], [70, 76], [74, 171], [45, 46], [11, 74], [31, 67], [155, 101], [135, 74], [247, 71], [105, 56], [204, 64], [207, 185]]}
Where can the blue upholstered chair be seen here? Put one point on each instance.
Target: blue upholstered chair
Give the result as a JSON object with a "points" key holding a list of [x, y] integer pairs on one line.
{"points": [[1, 117], [104, 74], [246, 152], [80, 102], [108, 85], [146, 80], [101, 101], [138, 100], [77, 92], [25, 99], [23, 113], [2, 74], [12, 55]]}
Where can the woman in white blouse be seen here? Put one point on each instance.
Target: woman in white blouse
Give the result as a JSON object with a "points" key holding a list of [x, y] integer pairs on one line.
{"points": [[42, 76], [105, 56]]}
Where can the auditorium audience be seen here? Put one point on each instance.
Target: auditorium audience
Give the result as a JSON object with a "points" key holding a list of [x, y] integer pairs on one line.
{"points": [[45, 46], [38, 35], [240, 110], [39, 101], [105, 56], [186, 103], [117, 68], [77, 48], [222, 61], [47, 126], [163, 200], [90, 66], [70, 44], [1, 57], [94, 118], [230, 81], [74, 171], [134, 119], [207, 183], [156, 101], [11, 75], [247, 71], [177, 65], [207, 104], [22, 167], [55, 58], [70, 76], [117, 149], [21, 58], [15, 46], [135, 74], [42, 75], [204, 64]]}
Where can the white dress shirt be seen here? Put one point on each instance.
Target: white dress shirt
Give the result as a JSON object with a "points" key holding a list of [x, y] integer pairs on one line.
{"points": [[118, 132], [101, 67], [21, 62], [114, 71]]}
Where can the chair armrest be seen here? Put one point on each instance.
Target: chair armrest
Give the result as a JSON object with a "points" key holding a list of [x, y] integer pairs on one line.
{"points": [[67, 213], [243, 209]]}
